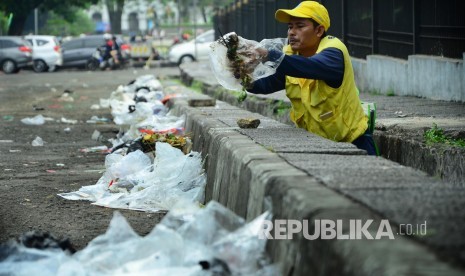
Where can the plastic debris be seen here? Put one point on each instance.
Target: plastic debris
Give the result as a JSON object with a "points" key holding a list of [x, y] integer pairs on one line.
{"points": [[36, 120], [135, 182], [102, 149], [96, 135], [97, 120], [37, 142], [188, 241], [65, 97], [236, 63], [68, 121], [8, 118]]}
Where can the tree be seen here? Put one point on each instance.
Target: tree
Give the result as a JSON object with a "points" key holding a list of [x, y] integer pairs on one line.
{"points": [[58, 26], [115, 10], [22, 8]]}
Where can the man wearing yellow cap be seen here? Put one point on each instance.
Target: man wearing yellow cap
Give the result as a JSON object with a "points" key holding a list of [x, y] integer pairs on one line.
{"points": [[317, 73]]}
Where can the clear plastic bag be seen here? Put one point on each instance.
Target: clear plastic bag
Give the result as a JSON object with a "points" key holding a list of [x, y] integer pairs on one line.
{"points": [[188, 241], [133, 182], [251, 64]]}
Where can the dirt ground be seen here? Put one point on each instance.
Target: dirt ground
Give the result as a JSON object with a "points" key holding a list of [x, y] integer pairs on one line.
{"points": [[31, 177]]}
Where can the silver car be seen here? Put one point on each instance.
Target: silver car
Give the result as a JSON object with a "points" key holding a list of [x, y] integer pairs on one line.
{"points": [[46, 52], [193, 50], [15, 53]]}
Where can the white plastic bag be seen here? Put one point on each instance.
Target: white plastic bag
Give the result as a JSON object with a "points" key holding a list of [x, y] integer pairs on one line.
{"points": [[37, 142], [229, 75], [37, 120]]}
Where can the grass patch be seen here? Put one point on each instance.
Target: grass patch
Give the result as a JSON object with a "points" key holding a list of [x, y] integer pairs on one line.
{"points": [[435, 135], [281, 108], [196, 86], [390, 93]]}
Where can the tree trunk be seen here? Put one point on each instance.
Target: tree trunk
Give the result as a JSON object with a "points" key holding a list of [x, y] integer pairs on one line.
{"points": [[115, 21], [115, 10], [204, 14]]}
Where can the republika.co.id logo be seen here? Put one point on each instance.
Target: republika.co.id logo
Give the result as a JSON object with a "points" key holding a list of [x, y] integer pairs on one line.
{"points": [[326, 229]]}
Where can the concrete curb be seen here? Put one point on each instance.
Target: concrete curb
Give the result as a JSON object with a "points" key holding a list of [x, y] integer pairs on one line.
{"points": [[248, 177]]}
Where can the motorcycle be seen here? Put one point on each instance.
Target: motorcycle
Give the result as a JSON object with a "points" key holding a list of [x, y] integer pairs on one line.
{"points": [[97, 61]]}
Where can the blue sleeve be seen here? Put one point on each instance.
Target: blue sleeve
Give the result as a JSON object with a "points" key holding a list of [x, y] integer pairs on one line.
{"points": [[269, 84], [328, 65]]}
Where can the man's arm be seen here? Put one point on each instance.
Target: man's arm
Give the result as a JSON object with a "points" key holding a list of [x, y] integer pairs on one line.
{"points": [[328, 65], [269, 84]]}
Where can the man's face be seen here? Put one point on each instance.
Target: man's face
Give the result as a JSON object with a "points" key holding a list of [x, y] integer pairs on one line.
{"points": [[303, 36]]}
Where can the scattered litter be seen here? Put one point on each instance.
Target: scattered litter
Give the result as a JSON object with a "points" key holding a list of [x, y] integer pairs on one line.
{"points": [[8, 118], [55, 106], [102, 149], [14, 150], [37, 108], [37, 120], [67, 130], [51, 171], [95, 107], [37, 142], [97, 120], [139, 184], [60, 165], [6, 141], [188, 241], [96, 135], [68, 121]]}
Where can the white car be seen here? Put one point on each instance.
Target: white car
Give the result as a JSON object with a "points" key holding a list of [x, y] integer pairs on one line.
{"points": [[46, 52], [196, 49]]}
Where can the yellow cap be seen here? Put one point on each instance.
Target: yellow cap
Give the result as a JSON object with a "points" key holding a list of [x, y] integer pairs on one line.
{"points": [[306, 9]]}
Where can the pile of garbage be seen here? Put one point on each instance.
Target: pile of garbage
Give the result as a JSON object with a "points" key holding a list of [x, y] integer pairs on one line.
{"points": [[188, 241], [150, 166]]}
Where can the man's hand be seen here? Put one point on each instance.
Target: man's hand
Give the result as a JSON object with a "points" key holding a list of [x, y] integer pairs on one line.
{"points": [[250, 58]]}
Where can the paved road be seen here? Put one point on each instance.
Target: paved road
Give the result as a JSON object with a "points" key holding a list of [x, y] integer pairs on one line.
{"points": [[31, 177]]}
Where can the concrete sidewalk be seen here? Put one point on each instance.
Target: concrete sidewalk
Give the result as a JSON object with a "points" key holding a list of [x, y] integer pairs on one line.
{"points": [[306, 177]]}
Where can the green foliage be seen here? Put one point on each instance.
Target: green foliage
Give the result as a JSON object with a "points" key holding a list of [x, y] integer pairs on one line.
{"points": [[58, 25], [435, 135], [22, 8], [280, 108], [197, 86], [390, 93], [3, 23]]}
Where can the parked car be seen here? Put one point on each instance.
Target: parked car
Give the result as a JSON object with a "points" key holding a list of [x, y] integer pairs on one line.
{"points": [[78, 52], [196, 49], [15, 53], [46, 52]]}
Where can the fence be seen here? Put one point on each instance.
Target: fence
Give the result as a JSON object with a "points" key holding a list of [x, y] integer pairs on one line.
{"points": [[396, 28]]}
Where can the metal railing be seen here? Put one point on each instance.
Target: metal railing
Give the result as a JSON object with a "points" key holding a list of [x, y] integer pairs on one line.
{"points": [[397, 28]]}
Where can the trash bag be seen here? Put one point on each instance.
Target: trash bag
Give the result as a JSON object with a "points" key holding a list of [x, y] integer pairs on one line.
{"points": [[36, 120], [181, 244], [237, 62], [133, 182]]}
